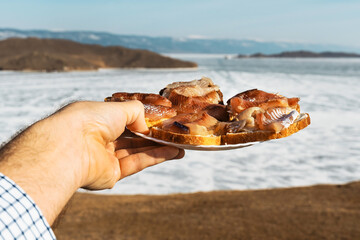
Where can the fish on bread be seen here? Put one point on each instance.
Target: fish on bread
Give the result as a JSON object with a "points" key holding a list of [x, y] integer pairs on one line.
{"points": [[194, 113]]}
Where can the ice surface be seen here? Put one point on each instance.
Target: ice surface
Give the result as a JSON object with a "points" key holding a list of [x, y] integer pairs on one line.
{"points": [[328, 151]]}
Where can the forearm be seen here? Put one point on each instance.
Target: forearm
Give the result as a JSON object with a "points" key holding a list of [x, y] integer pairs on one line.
{"points": [[39, 164], [77, 147]]}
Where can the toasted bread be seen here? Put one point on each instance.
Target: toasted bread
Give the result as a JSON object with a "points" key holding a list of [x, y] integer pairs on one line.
{"points": [[153, 123], [185, 138], [233, 138]]}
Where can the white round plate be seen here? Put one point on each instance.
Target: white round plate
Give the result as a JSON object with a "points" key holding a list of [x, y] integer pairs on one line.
{"points": [[198, 147]]}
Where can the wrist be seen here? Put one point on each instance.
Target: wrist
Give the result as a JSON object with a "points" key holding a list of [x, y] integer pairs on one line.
{"points": [[62, 151], [36, 161]]}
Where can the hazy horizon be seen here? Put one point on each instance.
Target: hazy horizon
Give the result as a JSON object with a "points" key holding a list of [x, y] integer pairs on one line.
{"points": [[306, 45], [319, 21]]}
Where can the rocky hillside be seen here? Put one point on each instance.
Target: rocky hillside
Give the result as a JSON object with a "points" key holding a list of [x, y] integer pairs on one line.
{"points": [[35, 54]]}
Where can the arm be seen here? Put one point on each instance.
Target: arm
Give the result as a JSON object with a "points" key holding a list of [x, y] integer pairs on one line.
{"points": [[78, 146]]}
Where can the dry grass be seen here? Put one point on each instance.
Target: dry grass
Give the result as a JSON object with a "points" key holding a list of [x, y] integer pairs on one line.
{"points": [[318, 212]]}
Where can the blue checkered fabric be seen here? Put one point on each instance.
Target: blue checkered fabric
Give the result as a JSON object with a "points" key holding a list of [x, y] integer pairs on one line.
{"points": [[20, 218]]}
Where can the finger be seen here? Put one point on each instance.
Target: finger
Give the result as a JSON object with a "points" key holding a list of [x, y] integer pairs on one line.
{"points": [[126, 152], [181, 154], [123, 143], [117, 115], [139, 161], [135, 116]]}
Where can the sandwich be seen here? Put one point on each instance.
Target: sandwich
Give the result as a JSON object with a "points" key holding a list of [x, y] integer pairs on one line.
{"points": [[263, 116], [194, 113]]}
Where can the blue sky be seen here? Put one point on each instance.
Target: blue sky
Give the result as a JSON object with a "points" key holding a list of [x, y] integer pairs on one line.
{"points": [[313, 21]]}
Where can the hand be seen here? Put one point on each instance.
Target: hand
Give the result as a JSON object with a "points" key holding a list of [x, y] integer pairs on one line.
{"points": [[106, 159], [135, 153], [79, 146]]}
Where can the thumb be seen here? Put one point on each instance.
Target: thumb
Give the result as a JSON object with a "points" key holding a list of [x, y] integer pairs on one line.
{"points": [[110, 118], [135, 116], [124, 114]]}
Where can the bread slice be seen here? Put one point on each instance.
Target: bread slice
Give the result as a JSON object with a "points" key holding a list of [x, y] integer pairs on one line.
{"points": [[185, 138], [233, 138], [153, 123]]}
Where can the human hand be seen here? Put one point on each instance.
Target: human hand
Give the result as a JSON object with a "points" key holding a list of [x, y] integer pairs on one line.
{"points": [[106, 157], [79, 146]]}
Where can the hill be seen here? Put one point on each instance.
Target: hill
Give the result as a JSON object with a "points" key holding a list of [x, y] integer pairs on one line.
{"points": [[302, 54], [175, 45], [65, 55]]}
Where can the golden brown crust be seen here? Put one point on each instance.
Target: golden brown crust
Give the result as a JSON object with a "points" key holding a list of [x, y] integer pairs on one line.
{"points": [[234, 138], [150, 123], [230, 138], [185, 138]]}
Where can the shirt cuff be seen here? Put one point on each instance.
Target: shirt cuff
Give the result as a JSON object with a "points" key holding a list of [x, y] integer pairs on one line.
{"points": [[20, 217]]}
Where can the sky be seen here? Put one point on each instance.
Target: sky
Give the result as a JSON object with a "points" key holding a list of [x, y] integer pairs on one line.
{"points": [[310, 21]]}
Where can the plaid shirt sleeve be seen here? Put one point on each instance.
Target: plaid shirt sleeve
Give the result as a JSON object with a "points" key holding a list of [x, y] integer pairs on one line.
{"points": [[20, 218]]}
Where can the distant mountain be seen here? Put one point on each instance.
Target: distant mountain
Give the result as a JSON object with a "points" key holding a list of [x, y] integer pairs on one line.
{"points": [[302, 54], [174, 45], [64, 55]]}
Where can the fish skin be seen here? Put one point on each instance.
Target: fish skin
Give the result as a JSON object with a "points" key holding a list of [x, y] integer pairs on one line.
{"points": [[192, 121], [156, 107], [259, 98], [218, 111], [157, 112], [193, 96], [145, 98], [276, 119], [204, 82]]}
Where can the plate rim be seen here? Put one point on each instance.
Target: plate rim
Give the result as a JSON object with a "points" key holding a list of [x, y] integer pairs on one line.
{"points": [[198, 147]]}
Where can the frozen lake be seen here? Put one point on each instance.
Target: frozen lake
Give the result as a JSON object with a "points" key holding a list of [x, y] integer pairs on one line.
{"points": [[328, 151]]}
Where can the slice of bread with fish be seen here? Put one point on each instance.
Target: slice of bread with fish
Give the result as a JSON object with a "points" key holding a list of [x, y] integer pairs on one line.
{"points": [[199, 106], [189, 128], [264, 116], [193, 96], [263, 135], [194, 113]]}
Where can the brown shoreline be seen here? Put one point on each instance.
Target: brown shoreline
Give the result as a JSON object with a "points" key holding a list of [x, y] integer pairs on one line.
{"points": [[316, 212]]}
